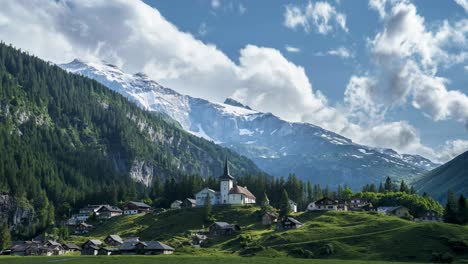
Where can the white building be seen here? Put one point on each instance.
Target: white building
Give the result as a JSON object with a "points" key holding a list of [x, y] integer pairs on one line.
{"points": [[228, 194], [293, 206]]}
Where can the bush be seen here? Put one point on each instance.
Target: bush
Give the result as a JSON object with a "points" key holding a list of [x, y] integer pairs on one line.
{"points": [[327, 249], [441, 258]]}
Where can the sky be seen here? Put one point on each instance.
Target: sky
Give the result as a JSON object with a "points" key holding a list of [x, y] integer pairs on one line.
{"points": [[385, 73]]}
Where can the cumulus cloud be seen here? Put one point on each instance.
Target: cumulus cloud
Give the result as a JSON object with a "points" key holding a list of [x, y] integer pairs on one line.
{"points": [[292, 49], [320, 16], [136, 37], [215, 3], [463, 3], [408, 57]]}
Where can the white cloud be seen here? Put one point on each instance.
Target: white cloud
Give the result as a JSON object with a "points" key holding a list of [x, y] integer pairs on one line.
{"points": [[379, 6], [139, 38], [203, 29], [292, 49], [242, 9], [319, 15], [215, 4], [340, 52], [463, 3], [452, 148]]}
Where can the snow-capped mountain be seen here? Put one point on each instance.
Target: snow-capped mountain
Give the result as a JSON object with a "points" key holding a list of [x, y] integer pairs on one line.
{"points": [[277, 146]]}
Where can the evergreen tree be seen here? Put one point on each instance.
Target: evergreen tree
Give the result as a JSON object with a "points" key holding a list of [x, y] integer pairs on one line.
{"points": [[381, 188], [412, 190], [347, 193], [5, 236], [403, 187], [285, 206], [450, 214], [207, 209], [388, 185], [372, 188], [462, 210]]}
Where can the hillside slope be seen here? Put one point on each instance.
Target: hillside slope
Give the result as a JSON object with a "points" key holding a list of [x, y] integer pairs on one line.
{"points": [[351, 235], [277, 146], [452, 175], [68, 140]]}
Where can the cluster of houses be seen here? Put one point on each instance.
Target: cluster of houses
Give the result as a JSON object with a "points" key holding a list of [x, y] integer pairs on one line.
{"points": [[112, 245], [103, 212]]}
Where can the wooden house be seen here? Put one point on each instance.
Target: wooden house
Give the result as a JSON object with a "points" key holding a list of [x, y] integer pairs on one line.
{"points": [[69, 247], [357, 204], [145, 248], [108, 211], [91, 247], [328, 204], [113, 240], [429, 216], [132, 208], [269, 218], [82, 228], [176, 204], [223, 229], [289, 223], [189, 203], [107, 251], [399, 211]]}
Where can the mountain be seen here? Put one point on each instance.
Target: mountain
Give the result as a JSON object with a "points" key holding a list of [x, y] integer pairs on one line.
{"points": [[277, 146], [453, 175], [67, 140]]}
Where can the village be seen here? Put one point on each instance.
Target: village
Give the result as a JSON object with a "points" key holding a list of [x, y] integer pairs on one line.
{"points": [[228, 195]]}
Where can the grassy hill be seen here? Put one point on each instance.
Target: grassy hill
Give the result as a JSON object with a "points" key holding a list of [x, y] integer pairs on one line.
{"points": [[350, 235], [452, 175]]}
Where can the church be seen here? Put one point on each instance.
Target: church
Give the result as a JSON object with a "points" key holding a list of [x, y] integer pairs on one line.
{"points": [[228, 192]]}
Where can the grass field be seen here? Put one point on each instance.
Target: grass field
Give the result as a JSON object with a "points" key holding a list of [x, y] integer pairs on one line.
{"points": [[325, 235], [176, 260]]}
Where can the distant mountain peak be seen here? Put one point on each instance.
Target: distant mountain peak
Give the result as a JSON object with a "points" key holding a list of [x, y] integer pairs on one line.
{"points": [[233, 102]]}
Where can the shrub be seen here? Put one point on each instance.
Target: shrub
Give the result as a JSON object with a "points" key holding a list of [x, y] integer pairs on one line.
{"points": [[301, 253], [327, 249]]}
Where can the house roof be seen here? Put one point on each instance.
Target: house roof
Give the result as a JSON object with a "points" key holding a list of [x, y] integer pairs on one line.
{"points": [[86, 225], [110, 208], [271, 214], [193, 201], [177, 201], [294, 221], [157, 245], [226, 175], [140, 204], [292, 202], [116, 238], [71, 246], [129, 245], [241, 190], [94, 242], [53, 243], [328, 201]]}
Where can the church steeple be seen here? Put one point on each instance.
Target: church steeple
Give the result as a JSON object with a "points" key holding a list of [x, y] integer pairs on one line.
{"points": [[226, 175]]}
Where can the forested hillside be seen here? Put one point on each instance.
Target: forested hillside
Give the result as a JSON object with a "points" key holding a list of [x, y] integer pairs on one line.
{"points": [[453, 176], [66, 140]]}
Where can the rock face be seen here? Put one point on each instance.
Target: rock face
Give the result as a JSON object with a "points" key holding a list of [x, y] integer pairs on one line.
{"points": [[277, 146], [15, 214]]}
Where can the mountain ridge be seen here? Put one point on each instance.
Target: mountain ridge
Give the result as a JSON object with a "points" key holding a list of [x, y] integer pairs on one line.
{"points": [[277, 146]]}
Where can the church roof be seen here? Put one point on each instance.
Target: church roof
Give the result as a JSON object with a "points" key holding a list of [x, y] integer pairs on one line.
{"points": [[242, 190], [226, 175]]}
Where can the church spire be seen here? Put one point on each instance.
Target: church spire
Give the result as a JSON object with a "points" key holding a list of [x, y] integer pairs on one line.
{"points": [[226, 175]]}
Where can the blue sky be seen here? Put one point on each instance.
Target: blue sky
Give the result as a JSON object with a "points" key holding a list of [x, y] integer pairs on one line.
{"points": [[385, 73], [262, 24]]}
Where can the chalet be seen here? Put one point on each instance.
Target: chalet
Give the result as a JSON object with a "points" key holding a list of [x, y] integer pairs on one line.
{"points": [[369, 208], [77, 218], [399, 211], [176, 204], [289, 223], [269, 218], [293, 206], [113, 240], [199, 239], [43, 238], [328, 205], [36, 248], [132, 208], [429, 216], [69, 247], [91, 247], [189, 203], [145, 247], [222, 229], [82, 228], [90, 209], [356, 203], [228, 194], [108, 211]]}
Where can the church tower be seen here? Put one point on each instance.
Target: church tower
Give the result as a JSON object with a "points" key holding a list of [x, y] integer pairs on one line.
{"points": [[227, 182]]}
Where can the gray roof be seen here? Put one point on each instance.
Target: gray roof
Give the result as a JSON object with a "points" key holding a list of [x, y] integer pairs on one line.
{"points": [[94, 242], [150, 245], [294, 221], [140, 204], [191, 200], [388, 209], [110, 208], [116, 238], [222, 224], [71, 246], [53, 243]]}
